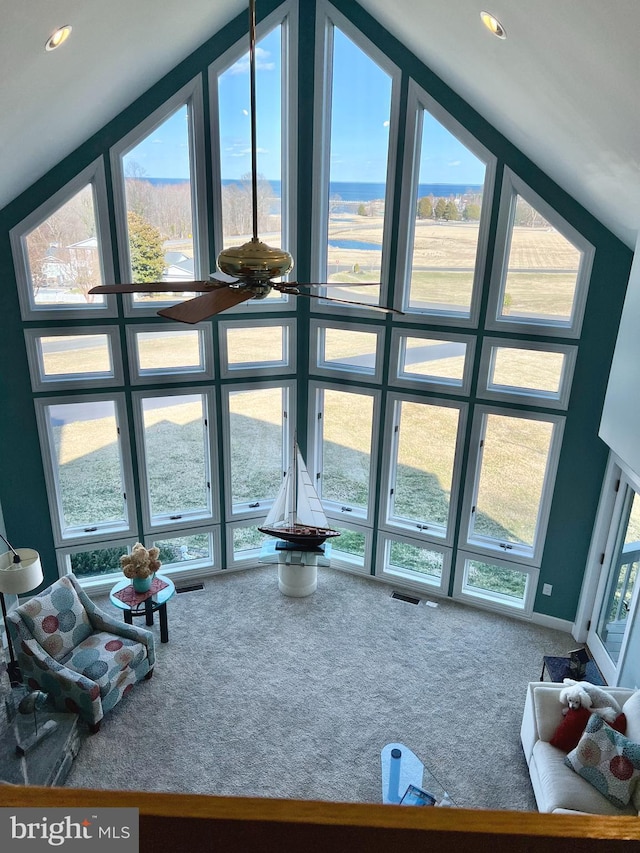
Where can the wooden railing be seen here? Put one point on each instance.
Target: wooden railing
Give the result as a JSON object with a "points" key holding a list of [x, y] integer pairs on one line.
{"points": [[186, 823]]}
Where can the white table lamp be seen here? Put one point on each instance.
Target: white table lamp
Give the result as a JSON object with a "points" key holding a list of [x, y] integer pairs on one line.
{"points": [[20, 571]]}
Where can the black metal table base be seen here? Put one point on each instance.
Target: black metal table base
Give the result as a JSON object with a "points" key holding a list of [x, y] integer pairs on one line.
{"points": [[147, 611]]}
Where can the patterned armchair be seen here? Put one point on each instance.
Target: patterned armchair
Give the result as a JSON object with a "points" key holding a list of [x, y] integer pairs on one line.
{"points": [[85, 660]]}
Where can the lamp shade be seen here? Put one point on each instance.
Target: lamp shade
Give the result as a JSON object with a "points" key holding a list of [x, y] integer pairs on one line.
{"points": [[24, 576]]}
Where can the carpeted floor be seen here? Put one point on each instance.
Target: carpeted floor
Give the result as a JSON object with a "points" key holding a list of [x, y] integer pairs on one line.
{"points": [[257, 694]]}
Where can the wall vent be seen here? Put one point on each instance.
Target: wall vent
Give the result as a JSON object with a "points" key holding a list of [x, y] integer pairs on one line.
{"points": [[190, 588], [401, 596]]}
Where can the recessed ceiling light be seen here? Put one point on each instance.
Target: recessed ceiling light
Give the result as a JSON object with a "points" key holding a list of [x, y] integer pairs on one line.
{"points": [[493, 24], [58, 37]]}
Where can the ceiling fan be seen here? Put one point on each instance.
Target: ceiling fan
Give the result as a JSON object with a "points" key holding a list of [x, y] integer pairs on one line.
{"points": [[252, 266]]}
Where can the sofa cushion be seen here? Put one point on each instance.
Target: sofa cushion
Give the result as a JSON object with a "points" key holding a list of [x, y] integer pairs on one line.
{"points": [[569, 732], [558, 787], [548, 710], [608, 760], [57, 619]]}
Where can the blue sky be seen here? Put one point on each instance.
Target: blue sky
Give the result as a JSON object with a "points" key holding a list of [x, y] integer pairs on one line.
{"points": [[359, 134]]}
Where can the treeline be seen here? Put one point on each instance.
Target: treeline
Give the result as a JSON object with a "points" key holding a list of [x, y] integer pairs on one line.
{"points": [[168, 206], [453, 209]]}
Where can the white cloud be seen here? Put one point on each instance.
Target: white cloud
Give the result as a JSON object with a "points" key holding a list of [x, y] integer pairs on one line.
{"points": [[262, 62], [455, 163], [385, 124]]}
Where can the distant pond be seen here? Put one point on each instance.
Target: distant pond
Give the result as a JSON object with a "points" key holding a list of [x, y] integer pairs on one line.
{"points": [[354, 244]]}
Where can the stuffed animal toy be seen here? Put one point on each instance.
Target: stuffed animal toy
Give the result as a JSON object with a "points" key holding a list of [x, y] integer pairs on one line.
{"points": [[140, 563], [582, 694]]}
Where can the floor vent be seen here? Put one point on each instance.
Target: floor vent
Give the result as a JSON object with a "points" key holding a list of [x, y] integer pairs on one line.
{"points": [[408, 598], [191, 588]]}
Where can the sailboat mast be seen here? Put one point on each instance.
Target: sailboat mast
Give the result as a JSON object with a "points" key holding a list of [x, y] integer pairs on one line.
{"points": [[293, 509]]}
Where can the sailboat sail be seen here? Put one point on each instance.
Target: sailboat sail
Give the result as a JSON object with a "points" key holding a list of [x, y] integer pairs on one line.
{"points": [[297, 514]]}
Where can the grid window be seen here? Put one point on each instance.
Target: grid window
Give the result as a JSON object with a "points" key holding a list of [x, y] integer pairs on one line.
{"points": [[189, 551], [161, 354], [542, 271], [540, 373], [176, 463], [258, 441], [65, 358], [344, 450], [422, 465], [86, 466], [247, 347], [433, 360], [495, 584], [353, 350], [510, 501], [414, 563], [357, 204]]}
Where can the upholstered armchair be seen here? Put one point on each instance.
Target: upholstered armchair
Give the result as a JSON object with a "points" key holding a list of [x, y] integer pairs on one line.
{"points": [[85, 660]]}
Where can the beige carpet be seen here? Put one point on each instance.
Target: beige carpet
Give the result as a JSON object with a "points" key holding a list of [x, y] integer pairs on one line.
{"points": [[258, 694]]}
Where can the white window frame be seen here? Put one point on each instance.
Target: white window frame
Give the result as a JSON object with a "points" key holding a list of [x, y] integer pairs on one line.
{"points": [[252, 560], [323, 368], [191, 96], [513, 186], [348, 562], [104, 531], [431, 533], [194, 568], [559, 400], [495, 601], [407, 380], [190, 518], [314, 456], [328, 17], [100, 583], [412, 580], [418, 102], [94, 176], [260, 508], [170, 374], [285, 16], [483, 545], [271, 368], [41, 382]]}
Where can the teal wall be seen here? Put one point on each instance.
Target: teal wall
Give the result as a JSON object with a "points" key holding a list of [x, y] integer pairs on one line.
{"points": [[583, 458]]}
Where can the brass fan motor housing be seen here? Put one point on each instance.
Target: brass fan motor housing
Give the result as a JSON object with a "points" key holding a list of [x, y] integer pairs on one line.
{"points": [[255, 262]]}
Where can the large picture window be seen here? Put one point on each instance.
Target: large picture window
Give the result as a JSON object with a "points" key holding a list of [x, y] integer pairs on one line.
{"points": [[508, 500], [345, 443], [162, 226], [258, 422], [176, 473], [452, 177], [87, 466], [63, 249], [542, 266], [423, 438]]}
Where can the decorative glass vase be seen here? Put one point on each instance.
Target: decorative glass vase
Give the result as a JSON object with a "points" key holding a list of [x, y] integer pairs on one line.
{"points": [[142, 584]]}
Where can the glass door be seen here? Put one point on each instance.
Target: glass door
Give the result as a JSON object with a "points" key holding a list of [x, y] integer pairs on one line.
{"points": [[615, 604]]}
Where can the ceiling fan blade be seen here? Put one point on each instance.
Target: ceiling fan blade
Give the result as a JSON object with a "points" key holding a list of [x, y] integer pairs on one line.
{"points": [[335, 284], [201, 307], [385, 308], [160, 287]]}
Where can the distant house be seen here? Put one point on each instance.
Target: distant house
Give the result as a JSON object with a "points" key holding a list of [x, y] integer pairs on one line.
{"points": [[178, 267]]}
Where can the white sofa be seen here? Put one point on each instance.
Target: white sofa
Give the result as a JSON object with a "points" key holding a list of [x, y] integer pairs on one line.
{"points": [[558, 788]]}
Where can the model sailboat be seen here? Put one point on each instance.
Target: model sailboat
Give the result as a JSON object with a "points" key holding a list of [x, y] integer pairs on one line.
{"points": [[297, 515]]}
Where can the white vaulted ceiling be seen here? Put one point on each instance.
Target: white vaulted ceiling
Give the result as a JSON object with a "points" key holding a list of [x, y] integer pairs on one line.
{"points": [[562, 87]]}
